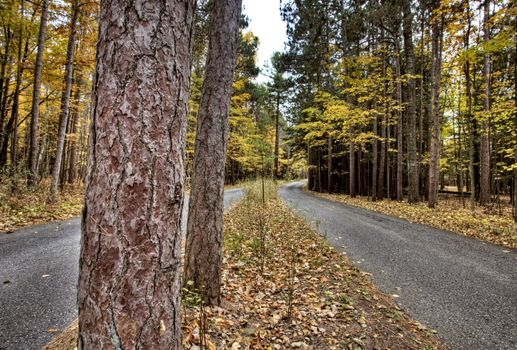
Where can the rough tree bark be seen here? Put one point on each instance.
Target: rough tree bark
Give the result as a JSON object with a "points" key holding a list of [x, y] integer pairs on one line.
{"points": [[65, 103], [484, 162], [33, 139], [434, 164], [129, 278], [413, 176], [203, 252]]}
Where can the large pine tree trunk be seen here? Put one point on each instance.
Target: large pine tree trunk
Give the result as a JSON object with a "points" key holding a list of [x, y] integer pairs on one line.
{"points": [[413, 176], [484, 193], [33, 139], [129, 278], [434, 164], [203, 252], [65, 103]]}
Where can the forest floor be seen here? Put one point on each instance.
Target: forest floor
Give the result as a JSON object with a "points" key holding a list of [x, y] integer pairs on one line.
{"points": [[21, 207], [285, 287], [494, 225]]}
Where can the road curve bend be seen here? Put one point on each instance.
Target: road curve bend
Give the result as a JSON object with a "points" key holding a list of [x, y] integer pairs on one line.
{"points": [[464, 288], [39, 268]]}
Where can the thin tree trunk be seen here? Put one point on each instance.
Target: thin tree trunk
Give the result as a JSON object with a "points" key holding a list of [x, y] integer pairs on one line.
{"points": [[5, 76], [329, 165], [277, 135], [203, 252], [129, 274], [515, 126], [384, 125], [413, 176], [352, 162], [470, 120], [375, 152], [459, 156], [72, 168], [434, 166], [16, 94], [400, 126], [318, 169], [65, 104], [484, 194], [33, 140]]}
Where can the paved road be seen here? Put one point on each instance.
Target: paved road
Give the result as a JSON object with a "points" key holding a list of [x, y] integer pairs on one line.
{"points": [[464, 288], [38, 277]]}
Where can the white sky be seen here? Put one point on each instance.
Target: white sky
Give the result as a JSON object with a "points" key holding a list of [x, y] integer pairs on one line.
{"points": [[266, 23]]}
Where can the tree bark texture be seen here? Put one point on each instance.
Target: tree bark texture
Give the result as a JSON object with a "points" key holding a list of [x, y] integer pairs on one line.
{"points": [[33, 140], [413, 171], [484, 192], [65, 103], [434, 165], [203, 252], [129, 278]]}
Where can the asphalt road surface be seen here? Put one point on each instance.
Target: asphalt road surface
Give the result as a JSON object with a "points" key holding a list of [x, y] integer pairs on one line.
{"points": [[464, 288], [38, 277]]}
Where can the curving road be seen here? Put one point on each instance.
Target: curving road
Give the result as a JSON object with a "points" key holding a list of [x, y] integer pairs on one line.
{"points": [[464, 288], [38, 277]]}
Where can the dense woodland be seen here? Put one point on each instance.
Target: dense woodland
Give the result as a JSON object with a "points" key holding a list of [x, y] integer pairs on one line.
{"points": [[401, 99], [396, 100], [47, 67], [143, 101]]}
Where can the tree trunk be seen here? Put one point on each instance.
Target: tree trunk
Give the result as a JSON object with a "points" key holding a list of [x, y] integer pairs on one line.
{"points": [[352, 162], [33, 140], [375, 152], [470, 120], [329, 165], [277, 135], [129, 275], [65, 104], [72, 168], [400, 126], [203, 252], [515, 126], [484, 194], [318, 170], [384, 125], [413, 176], [434, 164], [5, 76]]}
